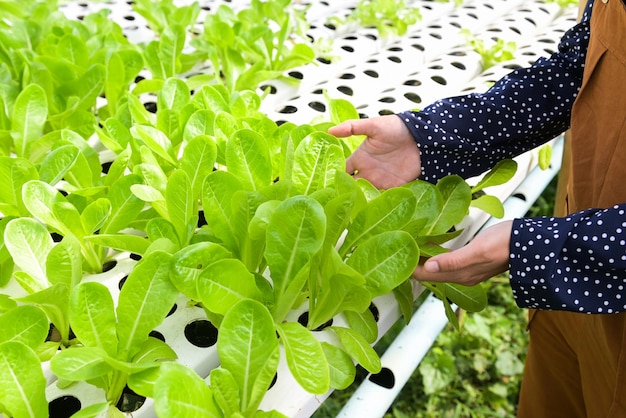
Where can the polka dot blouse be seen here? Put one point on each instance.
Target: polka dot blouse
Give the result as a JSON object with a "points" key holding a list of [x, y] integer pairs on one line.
{"points": [[576, 263]]}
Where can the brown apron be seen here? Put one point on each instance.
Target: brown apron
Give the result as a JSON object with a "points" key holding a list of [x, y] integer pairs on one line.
{"points": [[576, 363]]}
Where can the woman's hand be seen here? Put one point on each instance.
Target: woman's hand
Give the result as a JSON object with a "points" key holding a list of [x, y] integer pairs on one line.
{"points": [[486, 256], [388, 156]]}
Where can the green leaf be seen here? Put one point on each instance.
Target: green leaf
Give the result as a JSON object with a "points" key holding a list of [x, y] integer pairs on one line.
{"points": [[469, 298], [170, 48], [219, 292], [225, 391], [93, 316], [364, 323], [30, 112], [89, 86], [198, 160], [80, 363], [502, 172], [156, 141], [359, 349], [392, 210], [182, 205], [54, 302], [190, 261], [74, 49], [428, 200], [23, 382], [248, 348], [305, 357], [337, 288], [95, 215], [295, 233], [154, 350], [437, 370], [248, 158], [125, 206], [217, 194], [42, 200], [317, 157], [121, 242], [404, 296], [545, 156], [508, 363], [29, 243], [144, 301], [340, 111], [92, 411], [341, 367], [386, 260], [25, 324], [57, 163], [180, 392], [200, 123], [490, 204], [14, 173], [457, 196], [174, 95]]}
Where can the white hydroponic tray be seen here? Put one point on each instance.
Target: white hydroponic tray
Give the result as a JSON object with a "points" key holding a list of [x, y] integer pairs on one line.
{"points": [[379, 76]]}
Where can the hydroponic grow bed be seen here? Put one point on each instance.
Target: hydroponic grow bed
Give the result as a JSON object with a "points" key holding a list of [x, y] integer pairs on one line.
{"points": [[378, 76]]}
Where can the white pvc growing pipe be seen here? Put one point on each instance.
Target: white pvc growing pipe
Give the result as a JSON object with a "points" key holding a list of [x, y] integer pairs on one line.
{"points": [[376, 394]]}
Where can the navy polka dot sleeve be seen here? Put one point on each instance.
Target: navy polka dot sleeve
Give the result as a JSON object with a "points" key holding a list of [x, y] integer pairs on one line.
{"points": [[467, 135], [576, 263]]}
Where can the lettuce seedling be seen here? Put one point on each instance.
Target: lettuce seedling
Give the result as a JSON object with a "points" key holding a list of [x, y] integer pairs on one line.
{"points": [[24, 329], [115, 345]]}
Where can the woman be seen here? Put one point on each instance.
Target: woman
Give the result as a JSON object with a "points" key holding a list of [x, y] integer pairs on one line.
{"points": [[563, 268]]}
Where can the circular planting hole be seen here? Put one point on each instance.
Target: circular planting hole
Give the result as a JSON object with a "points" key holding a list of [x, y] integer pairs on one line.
{"points": [[171, 312], [150, 107], [346, 90], [56, 237], [201, 219], [458, 65], [439, 80], [413, 97], [273, 381], [120, 284], [130, 401], [106, 166], [268, 87], [303, 319], [156, 334], [288, 109], [201, 333], [413, 83], [320, 107], [384, 378], [296, 74], [108, 265], [63, 407], [374, 310]]}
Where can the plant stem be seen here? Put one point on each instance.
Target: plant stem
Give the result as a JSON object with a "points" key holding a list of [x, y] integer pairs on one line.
{"points": [[115, 389]]}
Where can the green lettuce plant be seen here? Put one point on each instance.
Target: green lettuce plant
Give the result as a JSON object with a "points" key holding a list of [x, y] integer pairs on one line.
{"points": [[115, 348], [389, 17], [24, 329], [252, 221]]}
